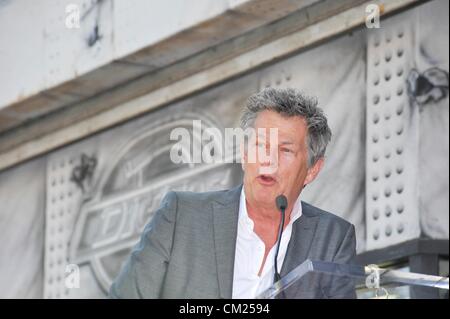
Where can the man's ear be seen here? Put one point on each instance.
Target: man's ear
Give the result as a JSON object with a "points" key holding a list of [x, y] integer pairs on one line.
{"points": [[314, 170]]}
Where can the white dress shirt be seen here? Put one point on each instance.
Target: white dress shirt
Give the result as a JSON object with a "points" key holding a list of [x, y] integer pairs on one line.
{"points": [[250, 254]]}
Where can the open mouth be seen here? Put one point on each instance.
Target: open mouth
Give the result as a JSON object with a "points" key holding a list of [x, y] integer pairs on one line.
{"points": [[266, 179]]}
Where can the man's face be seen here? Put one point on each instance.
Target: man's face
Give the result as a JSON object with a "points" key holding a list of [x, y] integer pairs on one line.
{"points": [[288, 161]]}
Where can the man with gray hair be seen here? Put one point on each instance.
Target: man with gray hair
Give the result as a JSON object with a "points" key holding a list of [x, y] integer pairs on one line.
{"points": [[236, 243]]}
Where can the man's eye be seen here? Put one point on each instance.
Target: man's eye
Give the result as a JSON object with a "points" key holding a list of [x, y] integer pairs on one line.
{"points": [[286, 150]]}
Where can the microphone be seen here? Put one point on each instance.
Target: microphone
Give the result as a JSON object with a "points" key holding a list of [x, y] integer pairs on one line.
{"points": [[281, 202]]}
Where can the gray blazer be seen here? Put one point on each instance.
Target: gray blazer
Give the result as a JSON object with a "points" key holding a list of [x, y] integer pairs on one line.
{"points": [[187, 250]]}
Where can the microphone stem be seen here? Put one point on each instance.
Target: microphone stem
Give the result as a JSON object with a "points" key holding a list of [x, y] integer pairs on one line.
{"points": [[277, 276]]}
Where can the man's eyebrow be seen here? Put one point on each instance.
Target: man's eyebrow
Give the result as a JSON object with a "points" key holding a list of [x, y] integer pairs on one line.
{"points": [[286, 143]]}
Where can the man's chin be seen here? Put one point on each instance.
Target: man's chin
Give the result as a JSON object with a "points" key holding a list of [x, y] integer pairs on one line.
{"points": [[266, 198]]}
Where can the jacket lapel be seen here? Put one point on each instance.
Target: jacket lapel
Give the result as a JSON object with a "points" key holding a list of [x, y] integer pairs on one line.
{"points": [[303, 232], [225, 216]]}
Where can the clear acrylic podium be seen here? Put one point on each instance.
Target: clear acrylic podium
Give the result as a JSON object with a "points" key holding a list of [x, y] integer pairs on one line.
{"points": [[324, 280]]}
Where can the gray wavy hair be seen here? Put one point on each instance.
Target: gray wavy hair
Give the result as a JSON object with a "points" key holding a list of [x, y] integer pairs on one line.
{"points": [[291, 102]]}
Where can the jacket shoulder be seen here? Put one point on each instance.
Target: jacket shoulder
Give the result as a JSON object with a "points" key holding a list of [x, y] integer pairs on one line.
{"points": [[325, 216], [221, 196]]}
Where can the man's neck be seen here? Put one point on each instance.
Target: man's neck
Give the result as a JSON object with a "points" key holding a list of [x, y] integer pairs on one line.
{"points": [[266, 217]]}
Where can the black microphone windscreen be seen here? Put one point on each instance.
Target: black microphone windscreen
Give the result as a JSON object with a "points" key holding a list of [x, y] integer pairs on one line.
{"points": [[281, 202]]}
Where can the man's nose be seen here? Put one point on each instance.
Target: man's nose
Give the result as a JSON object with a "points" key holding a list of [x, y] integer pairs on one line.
{"points": [[269, 163], [269, 156]]}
